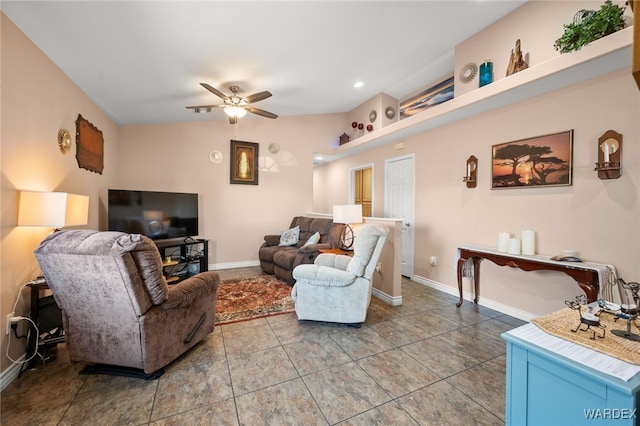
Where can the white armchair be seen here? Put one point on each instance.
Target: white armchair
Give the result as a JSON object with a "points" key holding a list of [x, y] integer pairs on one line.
{"points": [[337, 288]]}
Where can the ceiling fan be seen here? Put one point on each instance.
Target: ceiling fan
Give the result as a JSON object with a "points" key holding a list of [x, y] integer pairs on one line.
{"points": [[235, 106]]}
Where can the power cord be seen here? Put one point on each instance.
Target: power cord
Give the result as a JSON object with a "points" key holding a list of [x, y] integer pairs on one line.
{"points": [[35, 327], [37, 342]]}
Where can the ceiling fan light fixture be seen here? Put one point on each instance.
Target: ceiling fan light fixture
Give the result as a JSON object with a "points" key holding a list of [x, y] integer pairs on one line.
{"points": [[235, 111]]}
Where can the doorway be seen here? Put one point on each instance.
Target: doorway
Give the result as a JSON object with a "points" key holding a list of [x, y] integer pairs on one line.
{"points": [[362, 188], [399, 196]]}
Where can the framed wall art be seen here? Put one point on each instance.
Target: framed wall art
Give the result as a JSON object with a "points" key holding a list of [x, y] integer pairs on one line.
{"points": [[431, 96], [244, 162], [89, 146], [534, 162]]}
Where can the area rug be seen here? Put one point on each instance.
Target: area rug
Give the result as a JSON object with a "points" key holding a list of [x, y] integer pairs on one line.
{"points": [[245, 299]]}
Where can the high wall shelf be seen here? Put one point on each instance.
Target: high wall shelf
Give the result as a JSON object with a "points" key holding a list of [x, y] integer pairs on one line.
{"points": [[609, 54], [183, 257]]}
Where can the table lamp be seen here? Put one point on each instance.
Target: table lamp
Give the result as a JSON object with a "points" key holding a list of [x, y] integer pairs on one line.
{"points": [[52, 209], [347, 214]]}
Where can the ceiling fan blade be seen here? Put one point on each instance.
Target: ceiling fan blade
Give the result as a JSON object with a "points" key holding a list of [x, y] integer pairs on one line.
{"points": [[233, 120], [258, 97], [214, 91], [203, 106], [261, 112]]}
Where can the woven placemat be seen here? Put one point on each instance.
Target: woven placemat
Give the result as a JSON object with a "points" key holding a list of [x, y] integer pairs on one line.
{"points": [[563, 322]]}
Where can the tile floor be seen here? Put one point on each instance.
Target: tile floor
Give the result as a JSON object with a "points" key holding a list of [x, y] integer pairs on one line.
{"points": [[422, 363]]}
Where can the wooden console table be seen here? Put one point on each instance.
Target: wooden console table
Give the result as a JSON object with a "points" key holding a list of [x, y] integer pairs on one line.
{"points": [[587, 275]]}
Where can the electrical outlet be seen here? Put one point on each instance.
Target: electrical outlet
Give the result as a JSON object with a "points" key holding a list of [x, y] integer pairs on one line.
{"points": [[433, 261], [9, 321]]}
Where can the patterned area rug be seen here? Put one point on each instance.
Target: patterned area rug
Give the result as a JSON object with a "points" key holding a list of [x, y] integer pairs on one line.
{"points": [[245, 299]]}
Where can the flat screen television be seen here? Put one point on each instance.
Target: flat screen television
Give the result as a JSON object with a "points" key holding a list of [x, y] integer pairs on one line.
{"points": [[158, 215]]}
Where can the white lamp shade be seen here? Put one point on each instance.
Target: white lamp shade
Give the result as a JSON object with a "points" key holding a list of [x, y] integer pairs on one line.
{"points": [[52, 209], [347, 213]]}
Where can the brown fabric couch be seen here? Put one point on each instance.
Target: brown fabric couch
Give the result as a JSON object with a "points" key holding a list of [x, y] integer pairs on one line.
{"points": [[117, 308], [281, 260]]}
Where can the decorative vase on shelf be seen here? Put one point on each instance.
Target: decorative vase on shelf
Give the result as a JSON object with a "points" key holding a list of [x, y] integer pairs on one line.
{"points": [[486, 73]]}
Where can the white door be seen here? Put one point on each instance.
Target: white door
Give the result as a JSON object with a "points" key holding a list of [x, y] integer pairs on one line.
{"points": [[398, 203]]}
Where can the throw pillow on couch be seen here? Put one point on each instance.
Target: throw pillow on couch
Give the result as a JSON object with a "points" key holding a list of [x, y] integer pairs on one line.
{"points": [[290, 237]]}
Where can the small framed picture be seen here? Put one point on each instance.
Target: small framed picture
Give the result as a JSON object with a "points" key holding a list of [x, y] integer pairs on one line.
{"points": [[539, 161], [244, 162]]}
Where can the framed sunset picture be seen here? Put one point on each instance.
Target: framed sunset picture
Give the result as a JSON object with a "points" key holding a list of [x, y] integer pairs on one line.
{"points": [[534, 162]]}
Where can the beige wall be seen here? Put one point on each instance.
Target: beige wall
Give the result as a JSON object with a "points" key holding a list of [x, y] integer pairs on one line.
{"points": [[598, 218], [175, 157], [37, 101]]}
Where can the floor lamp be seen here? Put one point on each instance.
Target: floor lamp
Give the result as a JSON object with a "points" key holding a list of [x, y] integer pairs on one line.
{"points": [[347, 214]]}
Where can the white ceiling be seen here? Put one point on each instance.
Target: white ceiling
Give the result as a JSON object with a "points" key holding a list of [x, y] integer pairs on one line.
{"points": [[142, 61]]}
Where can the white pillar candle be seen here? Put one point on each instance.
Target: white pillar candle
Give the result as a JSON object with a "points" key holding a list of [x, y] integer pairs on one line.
{"points": [[468, 170], [514, 246], [503, 241], [605, 149], [528, 242]]}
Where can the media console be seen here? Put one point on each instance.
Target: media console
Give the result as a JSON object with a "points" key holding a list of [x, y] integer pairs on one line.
{"points": [[183, 257]]}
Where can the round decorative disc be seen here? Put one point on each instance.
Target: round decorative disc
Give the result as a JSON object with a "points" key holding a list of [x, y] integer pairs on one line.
{"points": [[64, 141], [468, 72], [215, 156], [390, 112], [373, 115], [274, 148]]}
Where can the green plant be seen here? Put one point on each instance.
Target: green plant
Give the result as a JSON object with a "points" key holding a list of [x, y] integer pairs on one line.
{"points": [[588, 26]]}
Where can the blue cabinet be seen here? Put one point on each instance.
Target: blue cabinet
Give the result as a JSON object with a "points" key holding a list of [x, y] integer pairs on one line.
{"points": [[546, 388]]}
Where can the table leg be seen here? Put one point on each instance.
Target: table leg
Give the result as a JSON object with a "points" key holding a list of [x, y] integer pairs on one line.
{"points": [[476, 278], [590, 290], [460, 263]]}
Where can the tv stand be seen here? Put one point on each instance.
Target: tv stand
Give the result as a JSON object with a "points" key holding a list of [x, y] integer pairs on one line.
{"points": [[183, 257]]}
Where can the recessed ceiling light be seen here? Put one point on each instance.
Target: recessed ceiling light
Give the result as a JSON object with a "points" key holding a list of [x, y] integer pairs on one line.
{"points": [[358, 84], [319, 157]]}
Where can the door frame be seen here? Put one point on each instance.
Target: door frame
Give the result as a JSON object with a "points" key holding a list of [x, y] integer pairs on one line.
{"points": [[352, 181], [387, 199]]}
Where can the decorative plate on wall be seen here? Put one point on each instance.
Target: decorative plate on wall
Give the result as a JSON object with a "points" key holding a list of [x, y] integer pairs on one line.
{"points": [[215, 156], [64, 141], [274, 148], [373, 115], [390, 112], [468, 72]]}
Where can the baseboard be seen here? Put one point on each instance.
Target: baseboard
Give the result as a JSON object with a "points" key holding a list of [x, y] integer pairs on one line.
{"points": [[488, 303], [232, 265], [391, 300], [10, 374]]}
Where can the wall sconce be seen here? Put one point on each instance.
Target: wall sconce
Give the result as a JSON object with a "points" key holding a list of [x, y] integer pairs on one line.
{"points": [[348, 213], [609, 165], [52, 209], [471, 177]]}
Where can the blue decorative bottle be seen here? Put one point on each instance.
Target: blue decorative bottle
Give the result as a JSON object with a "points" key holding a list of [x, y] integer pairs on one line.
{"points": [[486, 73]]}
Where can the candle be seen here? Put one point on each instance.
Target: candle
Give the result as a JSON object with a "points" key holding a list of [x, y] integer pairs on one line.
{"points": [[514, 246], [503, 241], [528, 242], [469, 170], [605, 148]]}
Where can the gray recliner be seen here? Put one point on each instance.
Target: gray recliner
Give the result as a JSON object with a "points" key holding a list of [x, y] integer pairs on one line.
{"points": [[337, 288], [117, 308]]}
